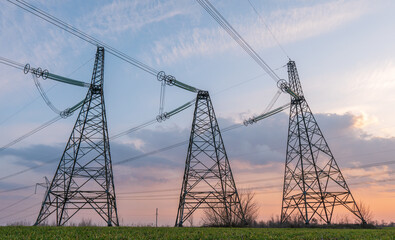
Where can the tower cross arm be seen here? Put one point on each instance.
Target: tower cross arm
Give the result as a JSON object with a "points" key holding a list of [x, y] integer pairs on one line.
{"points": [[284, 86], [266, 115], [68, 80], [47, 75], [171, 80]]}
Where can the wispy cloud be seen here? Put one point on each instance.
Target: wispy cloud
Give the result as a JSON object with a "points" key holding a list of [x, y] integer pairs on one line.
{"points": [[287, 25], [121, 16]]}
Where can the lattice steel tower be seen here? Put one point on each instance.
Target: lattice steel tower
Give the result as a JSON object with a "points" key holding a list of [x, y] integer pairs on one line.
{"points": [[208, 181], [84, 178], [313, 182]]}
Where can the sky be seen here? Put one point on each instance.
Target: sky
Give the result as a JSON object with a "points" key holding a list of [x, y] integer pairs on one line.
{"points": [[345, 57]]}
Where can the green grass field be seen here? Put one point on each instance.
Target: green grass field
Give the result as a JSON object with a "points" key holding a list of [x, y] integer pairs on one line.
{"points": [[190, 233]]}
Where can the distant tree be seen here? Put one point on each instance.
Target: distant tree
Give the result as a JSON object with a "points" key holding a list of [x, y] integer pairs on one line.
{"points": [[249, 205], [19, 223], [85, 223], [190, 221], [250, 209], [344, 220], [365, 211]]}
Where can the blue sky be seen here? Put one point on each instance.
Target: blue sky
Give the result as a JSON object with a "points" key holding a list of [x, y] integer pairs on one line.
{"points": [[344, 52]]}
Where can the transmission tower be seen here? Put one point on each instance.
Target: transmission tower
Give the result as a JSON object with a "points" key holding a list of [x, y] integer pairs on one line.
{"points": [[313, 182], [208, 181], [84, 178]]}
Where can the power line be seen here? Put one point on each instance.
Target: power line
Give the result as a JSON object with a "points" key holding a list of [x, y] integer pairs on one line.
{"points": [[26, 135], [19, 66], [179, 144], [21, 210], [170, 80], [123, 133], [268, 28], [16, 203], [210, 9], [171, 196], [245, 81], [133, 129], [152, 152], [239, 182], [23, 217], [82, 35], [28, 169], [242, 182], [16, 189], [52, 160], [5, 61], [232, 127], [63, 114]]}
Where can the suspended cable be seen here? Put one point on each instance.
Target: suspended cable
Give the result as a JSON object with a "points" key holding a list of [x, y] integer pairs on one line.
{"points": [[245, 81], [159, 118], [232, 127], [16, 203], [151, 153], [281, 83], [62, 114], [183, 143], [28, 169], [67, 112], [170, 197], [21, 210], [38, 72], [31, 102], [20, 109], [170, 80], [55, 159], [210, 9], [23, 217], [240, 182], [123, 133], [273, 101], [165, 196], [44, 96], [16, 189], [11, 63], [80, 34], [41, 127], [266, 114], [133, 129], [229, 128], [268, 28]]}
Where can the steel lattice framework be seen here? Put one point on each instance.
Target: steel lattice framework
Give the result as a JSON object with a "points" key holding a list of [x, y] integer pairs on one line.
{"points": [[313, 182], [208, 181], [84, 178]]}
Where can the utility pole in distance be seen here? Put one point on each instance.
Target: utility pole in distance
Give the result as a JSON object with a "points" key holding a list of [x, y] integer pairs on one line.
{"points": [[156, 220]]}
